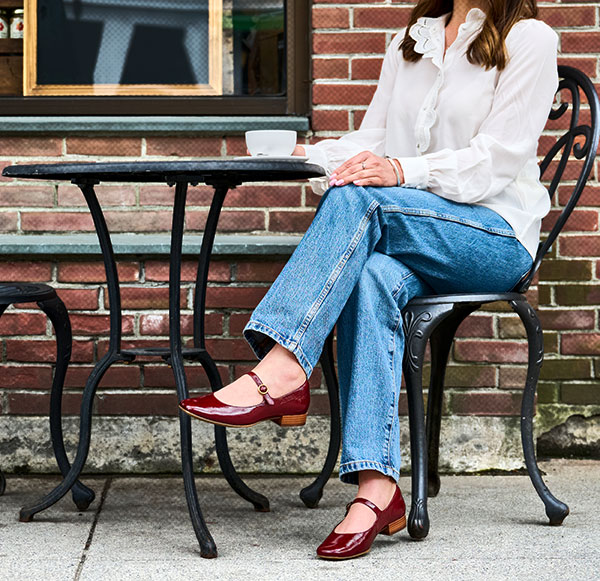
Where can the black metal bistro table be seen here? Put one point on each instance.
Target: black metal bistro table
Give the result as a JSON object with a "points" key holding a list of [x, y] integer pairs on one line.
{"points": [[222, 175]]}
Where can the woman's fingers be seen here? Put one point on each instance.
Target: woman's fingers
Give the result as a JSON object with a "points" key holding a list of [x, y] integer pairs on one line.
{"points": [[355, 160], [365, 169], [347, 176], [360, 178], [370, 167], [359, 158], [350, 173], [370, 163], [375, 181]]}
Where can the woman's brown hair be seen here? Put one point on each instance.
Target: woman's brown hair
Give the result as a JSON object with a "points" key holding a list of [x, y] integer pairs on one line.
{"points": [[488, 48]]}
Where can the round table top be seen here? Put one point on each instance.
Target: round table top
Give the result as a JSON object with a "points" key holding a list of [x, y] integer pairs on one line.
{"points": [[214, 172]]}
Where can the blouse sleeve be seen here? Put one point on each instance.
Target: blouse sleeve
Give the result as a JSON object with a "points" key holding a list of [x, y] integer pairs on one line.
{"points": [[331, 153], [508, 137]]}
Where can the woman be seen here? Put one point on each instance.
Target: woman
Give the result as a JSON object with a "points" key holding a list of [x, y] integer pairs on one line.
{"points": [[437, 192]]}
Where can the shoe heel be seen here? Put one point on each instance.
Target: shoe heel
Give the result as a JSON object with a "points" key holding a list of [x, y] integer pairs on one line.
{"points": [[298, 420], [394, 527]]}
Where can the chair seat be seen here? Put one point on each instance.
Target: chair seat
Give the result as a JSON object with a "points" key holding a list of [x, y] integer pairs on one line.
{"points": [[25, 292], [475, 298]]}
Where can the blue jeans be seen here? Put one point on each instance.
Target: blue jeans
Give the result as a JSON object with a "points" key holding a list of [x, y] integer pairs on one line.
{"points": [[367, 252]]}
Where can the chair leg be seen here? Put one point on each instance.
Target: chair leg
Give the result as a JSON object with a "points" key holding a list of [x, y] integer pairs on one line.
{"points": [[418, 520], [56, 311], [555, 509], [419, 321], [441, 343], [312, 494]]}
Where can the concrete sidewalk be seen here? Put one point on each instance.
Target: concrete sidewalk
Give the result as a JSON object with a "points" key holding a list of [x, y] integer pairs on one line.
{"points": [[483, 527]]}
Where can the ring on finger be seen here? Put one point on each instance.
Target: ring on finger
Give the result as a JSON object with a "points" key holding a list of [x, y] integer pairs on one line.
{"points": [[363, 165]]}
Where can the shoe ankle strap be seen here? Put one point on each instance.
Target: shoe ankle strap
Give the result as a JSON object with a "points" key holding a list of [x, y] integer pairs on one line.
{"points": [[366, 502], [261, 387]]}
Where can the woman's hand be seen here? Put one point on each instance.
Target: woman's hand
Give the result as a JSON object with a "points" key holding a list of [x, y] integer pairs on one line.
{"points": [[366, 169]]}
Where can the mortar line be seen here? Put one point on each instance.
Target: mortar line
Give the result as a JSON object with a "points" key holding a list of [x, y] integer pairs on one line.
{"points": [[88, 542]]}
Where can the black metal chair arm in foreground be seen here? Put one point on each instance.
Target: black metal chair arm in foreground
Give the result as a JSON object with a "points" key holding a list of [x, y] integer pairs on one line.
{"points": [[435, 319], [47, 299]]}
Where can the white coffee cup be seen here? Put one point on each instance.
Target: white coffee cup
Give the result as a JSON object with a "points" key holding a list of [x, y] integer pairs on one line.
{"points": [[271, 142]]}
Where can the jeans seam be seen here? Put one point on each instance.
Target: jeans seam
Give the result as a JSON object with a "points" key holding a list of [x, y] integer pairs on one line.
{"points": [[401, 284], [449, 218], [395, 392], [314, 308]]}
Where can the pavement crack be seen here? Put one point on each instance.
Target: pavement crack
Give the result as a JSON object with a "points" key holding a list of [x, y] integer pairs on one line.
{"points": [[88, 543]]}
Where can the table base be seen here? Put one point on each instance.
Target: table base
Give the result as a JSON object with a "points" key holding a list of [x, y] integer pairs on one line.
{"points": [[174, 355]]}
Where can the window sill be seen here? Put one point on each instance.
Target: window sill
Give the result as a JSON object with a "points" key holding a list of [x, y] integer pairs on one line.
{"points": [[59, 245], [147, 124]]}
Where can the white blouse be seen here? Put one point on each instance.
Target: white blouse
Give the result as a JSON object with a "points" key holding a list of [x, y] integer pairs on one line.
{"points": [[459, 131]]}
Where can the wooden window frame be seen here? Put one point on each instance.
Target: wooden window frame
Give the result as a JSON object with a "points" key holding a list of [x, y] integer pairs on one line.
{"points": [[296, 101]]}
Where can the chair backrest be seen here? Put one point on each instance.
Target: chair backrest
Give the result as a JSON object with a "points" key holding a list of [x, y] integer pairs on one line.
{"points": [[580, 139]]}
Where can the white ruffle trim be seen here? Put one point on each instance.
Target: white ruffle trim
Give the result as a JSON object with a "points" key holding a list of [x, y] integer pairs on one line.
{"points": [[429, 36], [427, 32]]}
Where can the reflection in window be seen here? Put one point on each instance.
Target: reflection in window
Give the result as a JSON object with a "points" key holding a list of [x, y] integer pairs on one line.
{"points": [[259, 47], [122, 42], [160, 43]]}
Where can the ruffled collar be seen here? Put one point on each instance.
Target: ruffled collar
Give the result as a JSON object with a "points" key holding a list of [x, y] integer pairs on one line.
{"points": [[428, 33]]}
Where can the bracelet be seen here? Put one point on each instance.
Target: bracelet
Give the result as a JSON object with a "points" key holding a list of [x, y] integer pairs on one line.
{"points": [[395, 169]]}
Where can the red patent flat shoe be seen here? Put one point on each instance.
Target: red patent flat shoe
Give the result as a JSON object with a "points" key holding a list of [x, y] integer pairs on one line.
{"points": [[288, 410], [388, 521]]}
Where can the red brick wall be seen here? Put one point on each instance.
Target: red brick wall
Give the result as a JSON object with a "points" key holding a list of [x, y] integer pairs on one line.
{"points": [[349, 39], [484, 380]]}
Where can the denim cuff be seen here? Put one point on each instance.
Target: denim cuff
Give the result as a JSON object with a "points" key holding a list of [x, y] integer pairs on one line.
{"points": [[258, 334], [349, 470]]}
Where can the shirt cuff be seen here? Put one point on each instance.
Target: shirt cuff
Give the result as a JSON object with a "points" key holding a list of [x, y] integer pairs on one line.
{"points": [[416, 172], [319, 185], [316, 155]]}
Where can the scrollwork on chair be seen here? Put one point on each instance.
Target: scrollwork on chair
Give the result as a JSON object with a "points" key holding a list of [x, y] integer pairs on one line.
{"points": [[413, 336], [576, 83]]}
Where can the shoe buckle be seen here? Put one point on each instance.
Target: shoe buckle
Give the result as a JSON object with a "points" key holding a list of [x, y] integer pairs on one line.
{"points": [[262, 389]]}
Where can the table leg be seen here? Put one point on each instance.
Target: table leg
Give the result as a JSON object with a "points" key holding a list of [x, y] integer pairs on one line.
{"points": [[85, 426], [259, 501], [112, 356], [208, 548], [311, 494], [57, 313]]}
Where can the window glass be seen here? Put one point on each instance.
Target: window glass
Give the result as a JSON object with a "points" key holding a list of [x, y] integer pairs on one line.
{"points": [[156, 47], [258, 46]]}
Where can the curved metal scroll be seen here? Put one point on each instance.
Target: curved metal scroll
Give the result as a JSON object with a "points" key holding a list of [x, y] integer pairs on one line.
{"points": [[581, 140]]}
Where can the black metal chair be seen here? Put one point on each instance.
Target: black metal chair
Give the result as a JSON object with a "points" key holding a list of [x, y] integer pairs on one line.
{"points": [[436, 319], [47, 299]]}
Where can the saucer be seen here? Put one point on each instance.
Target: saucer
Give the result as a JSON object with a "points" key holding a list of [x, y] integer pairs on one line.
{"points": [[271, 158]]}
